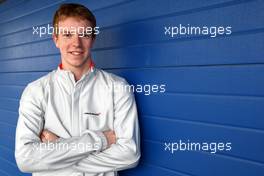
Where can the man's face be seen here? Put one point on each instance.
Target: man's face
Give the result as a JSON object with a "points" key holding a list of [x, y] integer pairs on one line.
{"points": [[75, 46]]}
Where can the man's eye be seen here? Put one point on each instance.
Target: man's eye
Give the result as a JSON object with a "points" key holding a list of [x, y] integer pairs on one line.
{"points": [[85, 35], [67, 35]]}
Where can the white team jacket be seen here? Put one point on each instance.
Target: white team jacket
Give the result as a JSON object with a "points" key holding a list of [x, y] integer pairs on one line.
{"points": [[78, 112]]}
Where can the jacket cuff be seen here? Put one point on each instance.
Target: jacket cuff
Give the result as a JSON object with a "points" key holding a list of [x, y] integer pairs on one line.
{"points": [[103, 140]]}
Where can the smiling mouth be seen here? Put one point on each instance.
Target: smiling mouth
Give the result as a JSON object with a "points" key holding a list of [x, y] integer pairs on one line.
{"points": [[76, 53]]}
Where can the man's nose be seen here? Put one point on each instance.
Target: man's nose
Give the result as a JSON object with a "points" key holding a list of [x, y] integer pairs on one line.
{"points": [[76, 41]]}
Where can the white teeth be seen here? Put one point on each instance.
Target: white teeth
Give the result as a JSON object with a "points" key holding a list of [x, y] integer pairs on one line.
{"points": [[76, 53]]}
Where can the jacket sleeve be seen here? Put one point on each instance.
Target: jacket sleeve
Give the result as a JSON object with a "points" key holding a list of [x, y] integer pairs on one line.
{"points": [[126, 152], [31, 154]]}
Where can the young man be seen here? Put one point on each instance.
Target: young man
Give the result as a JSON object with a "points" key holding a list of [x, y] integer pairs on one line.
{"points": [[74, 121]]}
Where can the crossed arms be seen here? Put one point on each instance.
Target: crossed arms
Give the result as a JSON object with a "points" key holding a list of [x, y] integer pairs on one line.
{"points": [[110, 150]]}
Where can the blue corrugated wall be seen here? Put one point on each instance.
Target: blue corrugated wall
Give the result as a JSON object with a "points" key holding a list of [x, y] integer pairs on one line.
{"points": [[214, 86]]}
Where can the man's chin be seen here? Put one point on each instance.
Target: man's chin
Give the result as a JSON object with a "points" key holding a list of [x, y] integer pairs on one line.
{"points": [[79, 64]]}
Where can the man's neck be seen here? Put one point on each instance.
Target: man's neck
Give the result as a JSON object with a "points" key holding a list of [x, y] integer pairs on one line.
{"points": [[78, 72]]}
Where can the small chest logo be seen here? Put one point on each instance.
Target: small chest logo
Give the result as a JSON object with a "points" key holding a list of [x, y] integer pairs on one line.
{"points": [[92, 113]]}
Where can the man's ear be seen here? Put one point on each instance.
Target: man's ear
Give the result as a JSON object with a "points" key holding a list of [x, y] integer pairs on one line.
{"points": [[55, 39]]}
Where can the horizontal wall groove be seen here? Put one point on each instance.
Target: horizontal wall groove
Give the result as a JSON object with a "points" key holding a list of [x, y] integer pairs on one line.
{"points": [[146, 68], [201, 94], [204, 123], [5, 98], [195, 94], [29, 57], [189, 66], [11, 138], [11, 84], [6, 124], [28, 43], [35, 71], [8, 85], [8, 111]]}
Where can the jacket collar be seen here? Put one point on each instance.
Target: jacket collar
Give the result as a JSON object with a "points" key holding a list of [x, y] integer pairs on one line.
{"points": [[91, 66], [67, 74]]}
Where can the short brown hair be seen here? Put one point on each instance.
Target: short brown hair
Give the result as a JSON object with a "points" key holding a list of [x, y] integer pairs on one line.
{"points": [[73, 10]]}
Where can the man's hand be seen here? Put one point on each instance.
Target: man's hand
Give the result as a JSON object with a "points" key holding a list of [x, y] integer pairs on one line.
{"points": [[110, 136], [46, 136]]}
